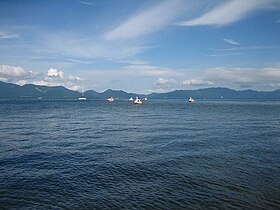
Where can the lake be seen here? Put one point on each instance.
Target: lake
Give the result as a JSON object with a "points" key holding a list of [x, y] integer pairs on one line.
{"points": [[164, 154]]}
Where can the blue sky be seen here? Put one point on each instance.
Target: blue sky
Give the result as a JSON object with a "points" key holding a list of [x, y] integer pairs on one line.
{"points": [[141, 46]]}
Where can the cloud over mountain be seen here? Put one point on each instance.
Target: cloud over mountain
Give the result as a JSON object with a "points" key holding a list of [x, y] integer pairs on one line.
{"points": [[246, 77], [53, 77]]}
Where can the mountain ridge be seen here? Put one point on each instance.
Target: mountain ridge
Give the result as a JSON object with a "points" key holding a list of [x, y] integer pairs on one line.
{"points": [[31, 91]]}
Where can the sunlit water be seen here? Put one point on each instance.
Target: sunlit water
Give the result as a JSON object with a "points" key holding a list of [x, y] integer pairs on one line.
{"points": [[165, 154]]}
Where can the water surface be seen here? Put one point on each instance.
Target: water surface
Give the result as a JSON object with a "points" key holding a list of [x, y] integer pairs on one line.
{"points": [[165, 154]]}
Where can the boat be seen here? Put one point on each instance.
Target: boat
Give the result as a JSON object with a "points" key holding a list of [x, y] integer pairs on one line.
{"points": [[137, 101], [191, 100], [130, 99], [82, 97], [111, 99], [145, 99]]}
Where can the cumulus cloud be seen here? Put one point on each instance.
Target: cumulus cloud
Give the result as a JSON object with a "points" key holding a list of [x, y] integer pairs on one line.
{"points": [[14, 73], [56, 77], [55, 73], [229, 12]]}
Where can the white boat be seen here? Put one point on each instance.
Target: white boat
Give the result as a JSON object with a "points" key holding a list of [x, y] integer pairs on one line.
{"points": [[130, 99], [191, 100], [111, 99], [137, 101], [82, 97], [145, 99]]}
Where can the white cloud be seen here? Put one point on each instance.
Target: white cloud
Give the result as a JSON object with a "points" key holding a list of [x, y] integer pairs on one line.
{"points": [[132, 78], [7, 35], [21, 82], [74, 78], [197, 82], [55, 73], [13, 73], [262, 78], [249, 48], [231, 42], [165, 83], [74, 45], [229, 12], [278, 21], [89, 3], [53, 77], [43, 83], [224, 54], [147, 21]]}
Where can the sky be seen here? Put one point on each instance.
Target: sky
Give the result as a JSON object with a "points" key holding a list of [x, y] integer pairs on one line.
{"points": [[141, 46]]}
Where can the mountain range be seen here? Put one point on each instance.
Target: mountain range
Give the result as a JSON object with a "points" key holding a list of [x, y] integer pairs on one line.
{"points": [[30, 91]]}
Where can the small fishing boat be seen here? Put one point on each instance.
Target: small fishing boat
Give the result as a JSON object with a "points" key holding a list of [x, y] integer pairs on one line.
{"points": [[137, 101], [130, 99], [111, 99], [191, 100], [82, 98]]}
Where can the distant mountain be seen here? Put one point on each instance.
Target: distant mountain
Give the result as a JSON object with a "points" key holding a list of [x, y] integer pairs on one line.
{"points": [[110, 93], [29, 91], [13, 91], [217, 93], [91, 94]]}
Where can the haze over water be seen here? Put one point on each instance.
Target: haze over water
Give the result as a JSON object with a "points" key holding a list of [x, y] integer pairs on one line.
{"points": [[165, 154]]}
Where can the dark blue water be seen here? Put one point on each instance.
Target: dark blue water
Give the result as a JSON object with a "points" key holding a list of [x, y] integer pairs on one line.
{"points": [[161, 155]]}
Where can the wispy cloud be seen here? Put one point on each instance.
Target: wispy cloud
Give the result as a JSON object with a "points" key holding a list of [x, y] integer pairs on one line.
{"points": [[147, 21], [7, 35], [228, 13], [59, 59], [149, 70], [249, 48], [230, 41], [278, 21], [79, 48], [89, 3], [224, 54]]}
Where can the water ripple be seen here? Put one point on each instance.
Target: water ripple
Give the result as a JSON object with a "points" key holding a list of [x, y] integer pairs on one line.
{"points": [[172, 155]]}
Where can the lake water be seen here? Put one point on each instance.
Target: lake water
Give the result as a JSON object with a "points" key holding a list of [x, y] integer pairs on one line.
{"points": [[165, 154]]}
